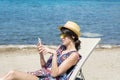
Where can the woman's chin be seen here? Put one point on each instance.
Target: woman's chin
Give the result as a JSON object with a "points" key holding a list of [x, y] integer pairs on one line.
{"points": [[63, 43]]}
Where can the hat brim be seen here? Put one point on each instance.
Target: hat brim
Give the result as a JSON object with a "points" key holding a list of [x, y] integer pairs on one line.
{"points": [[60, 27]]}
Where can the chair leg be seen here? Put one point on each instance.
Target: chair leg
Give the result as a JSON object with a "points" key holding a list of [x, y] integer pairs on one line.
{"points": [[77, 78], [80, 76]]}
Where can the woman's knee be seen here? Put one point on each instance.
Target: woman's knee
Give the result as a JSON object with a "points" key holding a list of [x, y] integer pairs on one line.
{"points": [[12, 73]]}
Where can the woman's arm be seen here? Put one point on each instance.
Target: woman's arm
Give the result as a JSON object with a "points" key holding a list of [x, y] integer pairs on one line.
{"points": [[41, 53], [54, 68], [67, 64], [42, 60]]}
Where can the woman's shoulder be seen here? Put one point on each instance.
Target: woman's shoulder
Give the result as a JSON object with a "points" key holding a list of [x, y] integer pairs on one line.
{"points": [[76, 54]]}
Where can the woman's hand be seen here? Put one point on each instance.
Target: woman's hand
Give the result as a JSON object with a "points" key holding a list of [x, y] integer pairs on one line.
{"points": [[41, 49], [44, 50]]}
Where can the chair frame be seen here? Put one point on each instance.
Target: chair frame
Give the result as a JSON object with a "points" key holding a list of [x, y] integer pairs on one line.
{"points": [[87, 46]]}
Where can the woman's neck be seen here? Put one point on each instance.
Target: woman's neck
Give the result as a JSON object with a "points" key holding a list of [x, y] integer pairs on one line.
{"points": [[70, 47]]}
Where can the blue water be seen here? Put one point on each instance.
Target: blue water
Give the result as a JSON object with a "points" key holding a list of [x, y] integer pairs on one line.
{"points": [[22, 21]]}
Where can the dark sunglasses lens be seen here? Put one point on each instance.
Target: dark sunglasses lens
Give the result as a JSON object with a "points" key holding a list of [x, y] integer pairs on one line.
{"points": [[62, 36]]}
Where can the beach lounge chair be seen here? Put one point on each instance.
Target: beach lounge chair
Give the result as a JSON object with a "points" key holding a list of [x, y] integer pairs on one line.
{"points": [[87, 46]]}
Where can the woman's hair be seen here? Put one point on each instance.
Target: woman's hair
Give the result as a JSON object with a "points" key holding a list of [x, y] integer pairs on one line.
{"points": [[73, 36]]}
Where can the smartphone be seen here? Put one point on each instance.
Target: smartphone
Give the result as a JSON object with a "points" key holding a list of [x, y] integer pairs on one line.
{"points": [[39, 40]]}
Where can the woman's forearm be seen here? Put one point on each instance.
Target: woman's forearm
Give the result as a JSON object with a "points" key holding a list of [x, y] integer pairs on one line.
{"points": [[54, 68], [42, 60]]}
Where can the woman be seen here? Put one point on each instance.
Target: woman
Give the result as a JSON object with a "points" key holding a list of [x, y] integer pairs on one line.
{"points": [[62, 62]]}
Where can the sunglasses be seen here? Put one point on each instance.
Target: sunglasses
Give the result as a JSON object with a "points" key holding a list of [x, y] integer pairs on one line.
{"points": [[62, 36]]}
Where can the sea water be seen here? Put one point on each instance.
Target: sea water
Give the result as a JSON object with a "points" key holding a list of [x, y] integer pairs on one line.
{"points": [[23, 21]]}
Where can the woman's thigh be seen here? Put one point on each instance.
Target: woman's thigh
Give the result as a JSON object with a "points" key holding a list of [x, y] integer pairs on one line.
{"points": [[18, 75]]}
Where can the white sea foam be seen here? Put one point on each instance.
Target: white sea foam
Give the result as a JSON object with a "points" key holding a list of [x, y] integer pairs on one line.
{"points": [[23, 46], [105, 46], [17, 46], [88, 34]]}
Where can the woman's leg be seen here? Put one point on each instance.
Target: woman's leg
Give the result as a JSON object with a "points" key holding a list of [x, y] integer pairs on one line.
{"points": [[17, 75]]}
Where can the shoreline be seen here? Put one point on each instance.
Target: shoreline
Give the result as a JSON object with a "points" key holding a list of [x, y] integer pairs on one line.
{"points": [[27, 46], [6, 49], [32, 48]]}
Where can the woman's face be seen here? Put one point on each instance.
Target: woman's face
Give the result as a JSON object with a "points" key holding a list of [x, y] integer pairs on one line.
{"points": [[65, 39]]}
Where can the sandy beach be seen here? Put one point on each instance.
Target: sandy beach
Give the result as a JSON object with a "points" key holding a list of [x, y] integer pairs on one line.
{"points": [[103, 63]]}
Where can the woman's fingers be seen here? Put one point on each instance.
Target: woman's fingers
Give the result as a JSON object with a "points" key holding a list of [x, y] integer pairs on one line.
{"points": [[42, 49]]}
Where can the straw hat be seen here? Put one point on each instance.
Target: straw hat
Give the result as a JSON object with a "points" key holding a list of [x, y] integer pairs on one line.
{"points": [[71, 26]]}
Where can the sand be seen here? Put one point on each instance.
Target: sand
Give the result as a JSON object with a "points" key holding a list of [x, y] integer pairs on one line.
{"points": [[103, 64]]}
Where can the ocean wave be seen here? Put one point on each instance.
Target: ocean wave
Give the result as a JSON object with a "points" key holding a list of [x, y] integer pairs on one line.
{"points": [[88, 34], [12, 48], [23, 46], [107, 46], [17, 46]]}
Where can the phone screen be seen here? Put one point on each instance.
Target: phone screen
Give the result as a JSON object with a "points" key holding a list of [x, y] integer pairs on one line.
{"points": [[39, 40]]}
